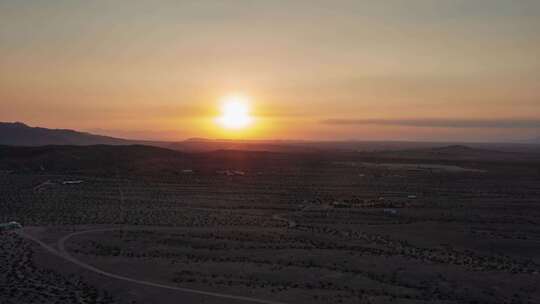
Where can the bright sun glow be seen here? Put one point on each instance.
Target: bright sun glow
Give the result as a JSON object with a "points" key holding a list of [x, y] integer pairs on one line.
{"points": [[235, 113]]}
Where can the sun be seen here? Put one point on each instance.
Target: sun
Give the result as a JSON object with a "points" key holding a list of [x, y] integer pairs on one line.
{"points": [[235, 113]]}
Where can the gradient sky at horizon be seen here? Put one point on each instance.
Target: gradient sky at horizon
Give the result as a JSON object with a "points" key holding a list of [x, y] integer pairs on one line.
{"points": [[400, 70]]}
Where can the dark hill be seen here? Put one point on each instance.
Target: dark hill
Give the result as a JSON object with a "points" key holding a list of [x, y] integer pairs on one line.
{"points": [[19, 134]]}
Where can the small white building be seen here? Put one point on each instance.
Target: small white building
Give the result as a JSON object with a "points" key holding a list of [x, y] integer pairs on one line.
{"points": [[72, 182]]}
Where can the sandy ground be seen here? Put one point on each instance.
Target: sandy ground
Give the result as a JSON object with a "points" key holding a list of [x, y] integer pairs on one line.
{"points": [[316, 234]]}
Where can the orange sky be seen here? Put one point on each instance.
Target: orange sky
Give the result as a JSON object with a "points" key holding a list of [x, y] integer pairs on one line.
{"points": [[412, 70]]}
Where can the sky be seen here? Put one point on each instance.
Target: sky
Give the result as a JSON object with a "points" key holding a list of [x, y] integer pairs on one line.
{"points": [[460, 70]]}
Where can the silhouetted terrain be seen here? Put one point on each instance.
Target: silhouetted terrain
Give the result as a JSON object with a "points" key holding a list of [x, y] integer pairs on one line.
{"points": [[139, 160], [460, 152], [150, 161], [19, 134], [206, 145]]}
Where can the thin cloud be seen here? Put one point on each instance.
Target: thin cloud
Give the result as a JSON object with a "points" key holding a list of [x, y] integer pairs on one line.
{"points": [[442, 123]]}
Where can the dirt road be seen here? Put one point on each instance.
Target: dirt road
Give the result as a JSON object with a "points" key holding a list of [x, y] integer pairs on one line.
{"points": [[63, 253]]}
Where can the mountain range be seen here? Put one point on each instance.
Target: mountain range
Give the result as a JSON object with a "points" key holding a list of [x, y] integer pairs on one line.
{"points": [[20, 134]]}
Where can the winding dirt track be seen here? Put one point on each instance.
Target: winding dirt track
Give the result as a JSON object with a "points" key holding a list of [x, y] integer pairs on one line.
{"points": [[63, 253]]}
